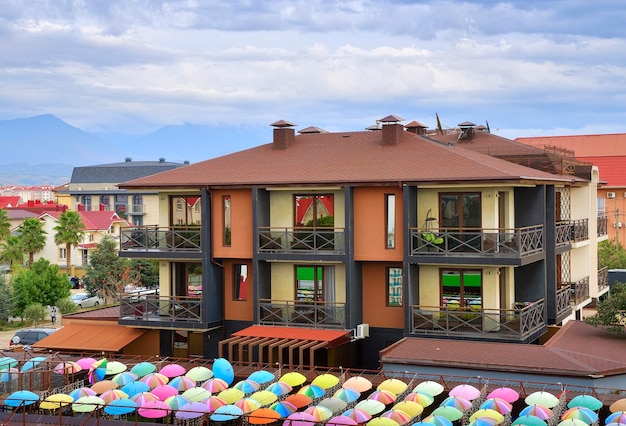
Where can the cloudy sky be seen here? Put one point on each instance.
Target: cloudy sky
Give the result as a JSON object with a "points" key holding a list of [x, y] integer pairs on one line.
{"points": [[530, 67]]}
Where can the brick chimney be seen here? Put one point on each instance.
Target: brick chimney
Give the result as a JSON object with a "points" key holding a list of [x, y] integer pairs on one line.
{"points": [[392, 129], [284, 134]]}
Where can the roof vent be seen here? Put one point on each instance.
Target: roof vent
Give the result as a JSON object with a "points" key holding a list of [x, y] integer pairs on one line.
{"points": [[312, 129], [161, 160], [284, 134], [466, 131], [128, 159], [416, 127], [392, 129], [186, 162]]}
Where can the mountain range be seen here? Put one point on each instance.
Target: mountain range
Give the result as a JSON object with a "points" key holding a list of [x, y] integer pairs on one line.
{"points": [[44, 149]]}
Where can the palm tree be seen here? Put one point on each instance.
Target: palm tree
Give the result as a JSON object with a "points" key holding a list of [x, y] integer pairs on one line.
{"points": [[5, 225], [11, 251], [69, 231], [33, 237]]}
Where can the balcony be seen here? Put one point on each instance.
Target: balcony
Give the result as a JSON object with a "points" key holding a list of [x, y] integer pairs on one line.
{"points": [[153, 308], [602, 226], [296, 313], [563, 233], [563, 303], [137, 209], [504, 243], [160, 239], [301, 240], [580, 230], [579, 291], [603, 280], [520, 324]]}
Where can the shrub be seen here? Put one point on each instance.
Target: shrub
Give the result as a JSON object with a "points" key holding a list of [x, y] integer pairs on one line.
{"points": [[66, 306], [35, 312]]}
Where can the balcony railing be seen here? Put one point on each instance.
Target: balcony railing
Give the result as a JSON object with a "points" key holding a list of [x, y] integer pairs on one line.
{"points": [[301, 239], [519, 242], [507, 324], [137, 209], [155, 238], [602, 226], [563, 303], [580, 291], [296, 313], [580, 229], [603, 279], [152, 307], [563, 233]]}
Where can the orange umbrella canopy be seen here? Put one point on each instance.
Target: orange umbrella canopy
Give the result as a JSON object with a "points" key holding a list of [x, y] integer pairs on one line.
{"points": [[263, 416], [300, 400]]}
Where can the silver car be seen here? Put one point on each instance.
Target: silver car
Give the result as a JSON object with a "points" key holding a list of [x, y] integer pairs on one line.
{"points": [[84, 300]]}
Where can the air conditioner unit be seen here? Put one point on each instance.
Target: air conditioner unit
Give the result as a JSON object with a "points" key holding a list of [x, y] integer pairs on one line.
{"points": [[362, 331], [610, 195], [617, 224]]}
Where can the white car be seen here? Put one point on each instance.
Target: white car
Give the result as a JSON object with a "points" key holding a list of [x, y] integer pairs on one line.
{"points": [[84, 300]]}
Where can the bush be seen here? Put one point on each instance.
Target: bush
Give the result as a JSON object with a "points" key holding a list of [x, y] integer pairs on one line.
{"points": [[66, 306], [35, 312]]}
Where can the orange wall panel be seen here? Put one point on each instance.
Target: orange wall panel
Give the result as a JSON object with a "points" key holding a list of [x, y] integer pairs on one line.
{"points": [[376, 313], [370, 236], [241, 224], [242, 310]]}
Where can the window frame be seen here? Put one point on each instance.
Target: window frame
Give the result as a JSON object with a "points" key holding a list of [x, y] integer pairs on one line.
{"points": [[227, 228], [390, 221], [394, 296], [239, 269]]}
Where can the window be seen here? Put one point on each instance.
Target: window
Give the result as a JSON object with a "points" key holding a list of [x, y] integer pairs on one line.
{"points": [[601, 206], [137, 204], [87, 202], [179, 205], [461, 289], [62, 253], [105, 200], [314, 210], [240, 282], [91, 237], [186, 279], [138, 220], [394, 286], [120, 205], [462, 210], [185, 210], [315, 283], [390, 220], [227, 228]]}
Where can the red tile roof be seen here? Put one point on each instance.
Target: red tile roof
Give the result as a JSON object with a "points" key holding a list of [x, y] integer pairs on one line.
{"points": [[345, 157], [296, 333], [577, 349], [583, 145], [95, 220], [612, 169], [9, 201]]}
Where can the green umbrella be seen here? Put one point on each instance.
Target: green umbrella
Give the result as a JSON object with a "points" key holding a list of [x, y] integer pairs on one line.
{"points": [[586, 401], [529, 420], [450, 413], [199, 373]]}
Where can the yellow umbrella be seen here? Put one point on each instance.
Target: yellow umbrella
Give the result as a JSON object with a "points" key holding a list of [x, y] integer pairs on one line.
{"points": [[325, 381], [412, 408], [619, 405], [382, 421], [293, 378], [395, 386], [265, 397], [490, 414], [231, 395], [52, 402]]}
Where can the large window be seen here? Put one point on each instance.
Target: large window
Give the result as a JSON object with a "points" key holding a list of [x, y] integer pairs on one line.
{"points": [[186, 210], [390, 220], [315, 283], [314, 210], [137, 204], [240, 282], [460, 210], [87, 202], [394, 286], [187, 279], [105, 200], [121, 202], [461, 289]]}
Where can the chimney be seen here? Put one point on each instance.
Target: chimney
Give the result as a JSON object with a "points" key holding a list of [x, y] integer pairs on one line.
{"points": [[128, 159], [284, 134], [416, 127], [392, 129]]}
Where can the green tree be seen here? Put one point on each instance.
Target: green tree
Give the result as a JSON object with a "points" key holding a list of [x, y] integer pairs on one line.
{"points": [[66, 306], [611, 254], [148, 272], [43, 283], [12, 251], [69, 231], [5, 299], [611, 311], [35, 313], [33, 237], [5, 225]]}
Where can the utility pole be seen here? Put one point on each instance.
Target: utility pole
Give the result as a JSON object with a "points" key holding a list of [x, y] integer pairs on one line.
{"points": [[617, 225]]}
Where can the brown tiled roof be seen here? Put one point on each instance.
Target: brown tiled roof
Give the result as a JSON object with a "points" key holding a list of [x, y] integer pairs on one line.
{"points": [[606, 145], [341, 158], [577, 349]]}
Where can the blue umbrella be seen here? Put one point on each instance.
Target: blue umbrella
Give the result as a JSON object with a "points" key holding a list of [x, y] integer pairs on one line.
{"points": [[222, 369], [133, 388], [226, 412], [261, 376], [22, 397], [32, 363], [7, 362], [119, 407], [143, 368]]}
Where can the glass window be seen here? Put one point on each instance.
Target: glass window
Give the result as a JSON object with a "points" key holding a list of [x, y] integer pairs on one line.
{"points": [[309, 283], [390, 220], [105, 200], [186, 210], [394, 286], [314, 210], [461, 210], [601, 206], [227, 228], [461, 289], [87, 202], [62, 253], [240, 284]]}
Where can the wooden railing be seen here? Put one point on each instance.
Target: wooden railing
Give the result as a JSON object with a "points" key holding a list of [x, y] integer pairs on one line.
{"points": [[153, 307], [301, 239], [603, 278], [563, 303], [296, 313], [580, 229], [519, 323], [580, 290], [518, 242], [602, 226], [155, 238]]}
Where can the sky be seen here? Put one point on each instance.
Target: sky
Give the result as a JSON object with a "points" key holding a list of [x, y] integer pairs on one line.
{"points": [[528, 68]]}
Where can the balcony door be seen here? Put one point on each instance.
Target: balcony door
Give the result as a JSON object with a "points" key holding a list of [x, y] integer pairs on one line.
{"points": [[186, 280], [460, 215], [315, 283], [461, 289], [314, 210]]}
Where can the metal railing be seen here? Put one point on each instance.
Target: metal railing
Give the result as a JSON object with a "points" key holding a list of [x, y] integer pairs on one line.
{"points": [[508, 324], [155, 238], [563, 233], [136, 208], [580, 290], [602, 229], [563, 303], [518, 242], [301, 239], [580, 229], [153, 307], [603, 278], [299, 313]]}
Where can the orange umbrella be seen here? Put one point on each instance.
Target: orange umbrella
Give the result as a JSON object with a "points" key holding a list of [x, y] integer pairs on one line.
{"points": [[357, 383], [103, 385], [299, 400], [263, 416]]}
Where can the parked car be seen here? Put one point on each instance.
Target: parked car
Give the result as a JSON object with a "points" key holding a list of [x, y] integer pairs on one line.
{"points": [[28, 336], [84, 300]]}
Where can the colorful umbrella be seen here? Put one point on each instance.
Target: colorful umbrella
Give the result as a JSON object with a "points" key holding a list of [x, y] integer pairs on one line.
{"points": [[347, 394], [115, 367], [482, 421], [120, 407], [312, 391], [85, 363], [7, 362], [383, 395], [97, 371], [580, 413], [172, 370], [319, 412], [411, 408], [382, 421], [508, 394], [619, 405], [226, 413], [196, 394], [358, 415], [264, 397], [124, 378], [192, 410], [134, 388], [341, 421], [325, 381], [497, 404], [616, 417], [397, 416], [247, 405], [155, 379], [450, 413], [177, 401], [57, 400], [213, 385], [261, 376], [231, 395], [466, 391], [199, 373], [214, 402], [263, 416], [293, 378], [32, 363], [143, 368], [334, 404], [299, 419], [371, 406], [77, 393], [529, 420], [67, 367], [164, 391], [222, 369], [396, 386], [357, 383], [572, 422], [489, 414], [284, 408], [182, 383], [542, 398], [437, 420], [112, 395], [300, 400], [586, 401], [457, 402], [422, 398], [87, 404], [247, 386], [103, 385], [544, 413], [429, 386], [154, 409], [143, 398]]}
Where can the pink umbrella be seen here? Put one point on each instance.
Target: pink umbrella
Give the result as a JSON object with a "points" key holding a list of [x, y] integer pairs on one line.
{"points": [[144, 397], [358, 415], [299, 418], [173, 370], [342, 421], [214, 402], [164, 391], [154, 409], [544, 413], [508, 394], [384, 396], [154, 379], [67, 367], [465, 391], [497, 404], [86, 363], [214, 385]]}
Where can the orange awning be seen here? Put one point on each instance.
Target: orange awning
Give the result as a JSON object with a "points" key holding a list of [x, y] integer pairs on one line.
{"points": [[333, 337], [86, 337]]}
